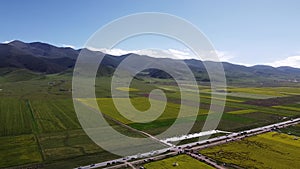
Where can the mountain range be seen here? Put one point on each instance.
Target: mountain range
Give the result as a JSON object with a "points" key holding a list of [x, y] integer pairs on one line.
{"points": [[42, 58]]}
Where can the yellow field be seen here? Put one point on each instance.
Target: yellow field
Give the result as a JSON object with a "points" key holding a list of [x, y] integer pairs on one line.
{"points": [[126, 89], [183, 161], [243, 111], [287, 108], [270, 150]]}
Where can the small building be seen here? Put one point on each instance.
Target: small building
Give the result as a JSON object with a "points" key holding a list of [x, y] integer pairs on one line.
{"points": [[51, 83]]}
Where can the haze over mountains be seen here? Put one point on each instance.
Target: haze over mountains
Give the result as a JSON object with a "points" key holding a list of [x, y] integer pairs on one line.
{"points": [[48, 59]]}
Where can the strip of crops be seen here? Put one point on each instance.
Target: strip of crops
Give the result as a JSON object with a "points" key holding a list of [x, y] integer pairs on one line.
{"points": [[14, 117]]}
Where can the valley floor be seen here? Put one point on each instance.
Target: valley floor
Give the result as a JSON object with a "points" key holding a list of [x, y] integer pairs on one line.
{"points": [[39, 127]]}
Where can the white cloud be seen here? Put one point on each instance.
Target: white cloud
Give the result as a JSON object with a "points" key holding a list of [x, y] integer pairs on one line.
{"points": [[116, 52], [68, 46], [164, 53], [158, 53], [167, 53], [7, 41], [224, 56], [293, 61]]}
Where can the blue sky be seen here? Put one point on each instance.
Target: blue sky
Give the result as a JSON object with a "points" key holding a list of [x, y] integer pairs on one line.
{"points": [[247, 32]]}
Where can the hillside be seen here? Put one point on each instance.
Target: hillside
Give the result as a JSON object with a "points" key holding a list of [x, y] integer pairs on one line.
{"points": [[43, 58]]}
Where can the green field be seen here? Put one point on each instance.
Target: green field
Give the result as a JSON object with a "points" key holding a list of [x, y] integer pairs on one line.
{"points": [[126, 89], [38, 124], [107, 107], [242, 111], [54, 114], [270, 150], [288, 108], [183, 161], [292, 130], [15, 117], [19, 150]]}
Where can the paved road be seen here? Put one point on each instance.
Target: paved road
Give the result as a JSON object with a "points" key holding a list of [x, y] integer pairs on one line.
{"points": [[141, 161], [195, 146], [194, 135], [242, 134]]}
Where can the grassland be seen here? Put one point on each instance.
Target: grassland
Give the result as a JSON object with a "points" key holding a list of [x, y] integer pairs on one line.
{"points": [[15, 117], [288, 108], [239, 115], [242, 111], [171, 111], [19, 150], [251, 93], [270, 150], [38, 124], [292, 130], [260, 91], [183, 161], [126, 89], [54, 115]]}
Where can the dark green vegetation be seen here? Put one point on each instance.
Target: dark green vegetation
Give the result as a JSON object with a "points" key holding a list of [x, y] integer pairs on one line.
{"points": [[39, 126], [291, 130]]}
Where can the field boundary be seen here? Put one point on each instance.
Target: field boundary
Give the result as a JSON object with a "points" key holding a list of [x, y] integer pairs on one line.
{"points": [[128, 127], [35, 130]]}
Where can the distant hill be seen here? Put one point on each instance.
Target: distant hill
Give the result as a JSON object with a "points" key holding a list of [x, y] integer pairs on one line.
{"points": [[37, 57], [43, 58], [15, 75]]}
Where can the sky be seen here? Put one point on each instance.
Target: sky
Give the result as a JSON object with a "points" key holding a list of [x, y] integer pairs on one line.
{"points": [[244, 32]]}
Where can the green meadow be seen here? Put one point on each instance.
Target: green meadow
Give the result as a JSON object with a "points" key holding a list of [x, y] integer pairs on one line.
{"points": [[38, 124]]}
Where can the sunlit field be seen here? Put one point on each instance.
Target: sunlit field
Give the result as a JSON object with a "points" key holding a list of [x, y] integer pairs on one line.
{"points": [[182, 161], [43, 116], [270, 150]]}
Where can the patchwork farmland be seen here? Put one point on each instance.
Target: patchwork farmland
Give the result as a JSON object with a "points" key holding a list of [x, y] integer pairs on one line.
{"points": [[39, 118], [258, 152]]}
